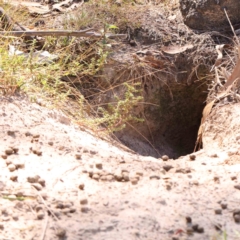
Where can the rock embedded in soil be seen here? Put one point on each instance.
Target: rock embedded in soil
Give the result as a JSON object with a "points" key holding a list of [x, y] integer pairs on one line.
{"points": [[134, 181], [99, 165], [167, 167], [192, 157], [237, 187], [81, 186], [14, 178], [33, 179], [164, 157], [60, 232], [224, 205], [218, 211], [40, 215], [83, 201], [42, 182], [9, 151], [154, 177], [4, 156], [11, 167], [78, 156]]}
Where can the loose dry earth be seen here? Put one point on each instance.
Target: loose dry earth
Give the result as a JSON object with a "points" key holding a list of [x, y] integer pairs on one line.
{"points": [[61, 181]]}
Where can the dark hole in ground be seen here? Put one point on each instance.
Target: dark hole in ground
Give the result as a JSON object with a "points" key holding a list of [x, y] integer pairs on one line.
{"points": [[172, 127]]}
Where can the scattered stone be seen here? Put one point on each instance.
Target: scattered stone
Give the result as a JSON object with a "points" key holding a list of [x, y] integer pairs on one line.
{"points": [[50, 143], [93, 152], [36, 135], [14, 178], [11, 167], [15, 149], [168, 186], [84, 209], [139, 174], [60, 232], [195, 182], [216, 179], [233, 178], [78, 156], [192, 157], [237, 187], [27, 134], [8, 162], [167, 167], [214, 155], [4, 156], [95, 176], [83, 201], [90, 173], [165, 157], [154, 177], [224, 205], [134, 181], [33, 179], [1, 226], [38, 208], [42, 182], [37, 186], [125, 176], [11, 133], [99, 165], [218, 211], [15, 217], [188, 219], [103, 178], [72, 210], [59, 205], [237, 218], [200, 230], [36, 150], [40, 215], [109, 178], [118, 176], [9, 151], [81, 186], [195, 227], [19, 164]]}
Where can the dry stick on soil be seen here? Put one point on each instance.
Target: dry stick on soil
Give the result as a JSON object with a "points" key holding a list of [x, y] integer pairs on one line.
{"points": [[45, 228], [84, 33]]}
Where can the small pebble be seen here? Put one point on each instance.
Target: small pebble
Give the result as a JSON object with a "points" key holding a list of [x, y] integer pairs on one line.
{"points": [[214, 155], [19, 165], [237, 187], [84, 209], [78, 156], [237, 218], [224, 205], [83, 201], [8, 162], [95, 176], [14, 178], [118, 177], [99, 165], [42, 182], [125, 176], [11, 167], [139, 173], [188, 219], [218, 211], [1, 226], [195, 227], [50, 143], [154, 177], [36, 135], [60, 232], [4, 156], [40, 215], [165, 157], [15, 149], [59, 205], [93, 152], [38, 208], [192, 157], [33, 179], [11, 133], [72, 210], [233, 178], [81, 186], [167, 167], [134, 181], [15, 217], [9, 151], [27, 134], [109, 178], [37, 186]]}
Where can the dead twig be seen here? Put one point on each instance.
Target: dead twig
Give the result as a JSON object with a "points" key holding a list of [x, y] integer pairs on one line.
{"points": [[84, 33]]}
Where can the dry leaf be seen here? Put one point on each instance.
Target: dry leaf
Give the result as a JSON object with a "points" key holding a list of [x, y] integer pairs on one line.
{"points": [[176, 49]]}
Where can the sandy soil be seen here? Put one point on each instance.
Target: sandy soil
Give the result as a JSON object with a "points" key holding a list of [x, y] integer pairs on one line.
{"points": [[61, 182]]}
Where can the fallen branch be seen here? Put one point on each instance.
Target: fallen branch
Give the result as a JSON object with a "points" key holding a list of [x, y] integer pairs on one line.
{"points": [[84, 33]]}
